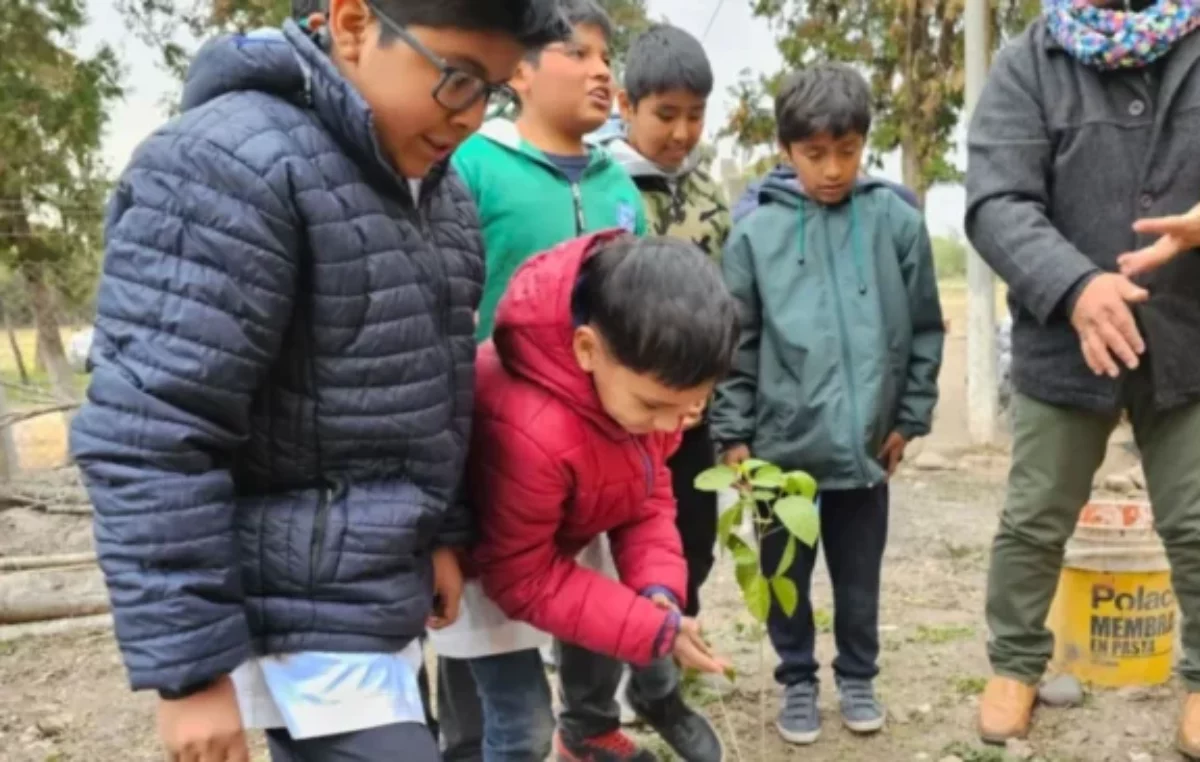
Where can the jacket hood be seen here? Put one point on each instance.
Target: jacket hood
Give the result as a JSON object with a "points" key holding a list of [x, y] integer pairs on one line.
{"points": [[782, 186], [535, 327], [504, 132], [639, 166], [291, 65]]}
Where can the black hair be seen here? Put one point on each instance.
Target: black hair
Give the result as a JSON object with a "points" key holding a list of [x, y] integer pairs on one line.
{"points": [[662, 308], [575, 13], [663, 58], [831, 98], [534, 23]]}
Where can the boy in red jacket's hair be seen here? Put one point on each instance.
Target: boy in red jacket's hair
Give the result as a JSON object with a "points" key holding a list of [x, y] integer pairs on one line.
{"points": [[603, 348]]}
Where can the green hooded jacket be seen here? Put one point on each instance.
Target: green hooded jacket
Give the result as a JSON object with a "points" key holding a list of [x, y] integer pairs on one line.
{"points": [[526, 205], [842, 332]]}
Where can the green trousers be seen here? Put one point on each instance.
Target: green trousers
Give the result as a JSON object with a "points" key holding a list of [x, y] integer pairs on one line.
{"points": [[1056, 453]]}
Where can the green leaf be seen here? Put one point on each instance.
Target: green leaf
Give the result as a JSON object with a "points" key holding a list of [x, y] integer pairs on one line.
{"points": [[743, 554], [770, 477], [764, 495], [799, 515], [729, 520], [731, 674], [757, 594], [800, 483], [716, 479], [750, 465], [789, 557], [786, 594]]}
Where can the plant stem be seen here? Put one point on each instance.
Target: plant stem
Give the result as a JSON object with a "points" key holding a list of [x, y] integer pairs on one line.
{"points": [[762, 695], [737, 749]]}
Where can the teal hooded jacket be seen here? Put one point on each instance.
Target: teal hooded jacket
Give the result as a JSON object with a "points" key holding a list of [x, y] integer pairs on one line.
{"points": [[842, 332]]}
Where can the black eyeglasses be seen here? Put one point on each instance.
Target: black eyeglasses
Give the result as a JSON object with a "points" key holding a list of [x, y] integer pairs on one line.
{"points": [[456, 90]]}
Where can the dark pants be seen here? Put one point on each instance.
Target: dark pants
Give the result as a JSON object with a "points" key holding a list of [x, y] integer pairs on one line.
{"points": [[696, 514], [854, 526], [411, 742], [518, 720]]}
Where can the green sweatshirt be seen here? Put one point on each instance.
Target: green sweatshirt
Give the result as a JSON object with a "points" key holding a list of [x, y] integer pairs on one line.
{"points": [[842, 332], [526, 205]]}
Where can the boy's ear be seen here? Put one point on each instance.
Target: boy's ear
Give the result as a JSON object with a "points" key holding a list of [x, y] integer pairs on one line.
{"points": [[586, 346], [350, 23], [523, 76], [624, 105]]}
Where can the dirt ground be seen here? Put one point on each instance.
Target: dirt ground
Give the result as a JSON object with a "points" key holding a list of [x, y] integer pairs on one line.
{"points": [[65, 697]]}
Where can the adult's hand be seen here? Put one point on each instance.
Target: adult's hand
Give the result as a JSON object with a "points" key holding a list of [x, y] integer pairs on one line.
{"points": [[1107, 331], [1176, 235]]}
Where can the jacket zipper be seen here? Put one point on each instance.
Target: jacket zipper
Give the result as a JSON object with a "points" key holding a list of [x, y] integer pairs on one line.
{"points": [[577, 199], [647, 466], [847, 358], [316, 549]]}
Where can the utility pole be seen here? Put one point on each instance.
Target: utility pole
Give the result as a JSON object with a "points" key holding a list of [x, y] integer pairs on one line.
{"points": [[982, 389]]}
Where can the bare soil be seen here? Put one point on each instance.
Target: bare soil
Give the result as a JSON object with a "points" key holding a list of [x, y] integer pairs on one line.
{"points": [[66, 698]]}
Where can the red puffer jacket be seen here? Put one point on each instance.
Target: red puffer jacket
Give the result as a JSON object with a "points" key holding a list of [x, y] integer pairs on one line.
{"points": [[550, 471]]}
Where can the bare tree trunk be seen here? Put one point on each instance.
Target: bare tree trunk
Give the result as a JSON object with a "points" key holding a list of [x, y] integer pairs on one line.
{"points": [[52, 594], [910, 164], [18, 355], [9, 459], [49, 334]]}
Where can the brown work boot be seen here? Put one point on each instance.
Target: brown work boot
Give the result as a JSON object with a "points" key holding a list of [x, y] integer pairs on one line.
{"points": [[1007, 708], [1189, 728]]}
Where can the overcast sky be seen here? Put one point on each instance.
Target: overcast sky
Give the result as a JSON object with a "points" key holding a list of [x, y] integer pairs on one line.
{"points": [[736, 41]]}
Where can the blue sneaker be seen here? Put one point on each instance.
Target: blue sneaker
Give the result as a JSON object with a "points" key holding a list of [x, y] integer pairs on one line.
{"points": [[861, 712], [799, 720]]}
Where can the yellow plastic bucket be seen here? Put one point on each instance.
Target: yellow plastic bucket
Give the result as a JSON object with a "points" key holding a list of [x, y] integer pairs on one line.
{"points": [[1114, 616]]}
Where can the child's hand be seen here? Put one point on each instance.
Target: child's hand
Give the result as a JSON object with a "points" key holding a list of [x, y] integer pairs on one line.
{"points": [[893, 452], [447, 589], [1177, 234], [734, 456], [693, 653], [664, 602], [204, 727]]}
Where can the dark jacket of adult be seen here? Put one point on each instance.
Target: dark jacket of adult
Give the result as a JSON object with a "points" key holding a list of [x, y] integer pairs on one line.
{"points": [[283, 374], [1062, 160]]}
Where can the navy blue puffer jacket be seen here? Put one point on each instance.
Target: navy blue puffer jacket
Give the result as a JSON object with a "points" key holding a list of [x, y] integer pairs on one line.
{"points": [[282, 374]]}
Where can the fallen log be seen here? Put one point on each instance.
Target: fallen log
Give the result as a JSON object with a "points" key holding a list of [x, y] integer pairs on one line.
{"points": [[29, 563], [52, 594], [55, 627]]}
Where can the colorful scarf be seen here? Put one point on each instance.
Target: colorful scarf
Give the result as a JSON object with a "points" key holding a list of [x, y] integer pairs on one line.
{"points": [[1109, 39]]}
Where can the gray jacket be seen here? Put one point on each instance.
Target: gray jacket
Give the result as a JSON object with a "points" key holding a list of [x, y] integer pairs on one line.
{"points": [[1062, 160]]}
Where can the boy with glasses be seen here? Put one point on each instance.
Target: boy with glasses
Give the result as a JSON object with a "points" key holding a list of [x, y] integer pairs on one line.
{"points": [[283, 372]]}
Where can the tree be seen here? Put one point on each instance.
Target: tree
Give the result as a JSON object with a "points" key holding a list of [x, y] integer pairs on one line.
{"points": [[910, 50], [54, 103], [173, 26]]}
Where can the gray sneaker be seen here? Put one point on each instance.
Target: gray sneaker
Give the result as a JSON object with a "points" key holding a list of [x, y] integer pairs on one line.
{"points": [[799, 720], [861, 712]]}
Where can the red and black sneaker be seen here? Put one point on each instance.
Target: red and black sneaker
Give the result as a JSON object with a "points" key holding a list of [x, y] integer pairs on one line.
{"points": [[610, 747]]}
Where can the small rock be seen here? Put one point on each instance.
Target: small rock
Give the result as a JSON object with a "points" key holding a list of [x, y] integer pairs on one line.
{"points": [[921, 757], [919, 712], [1062, 691], [931, 461], [1135, 693], [1075, 739], [1120, 484], [1019, 749], [1133, 731], [951, 758], [1140, 756]]}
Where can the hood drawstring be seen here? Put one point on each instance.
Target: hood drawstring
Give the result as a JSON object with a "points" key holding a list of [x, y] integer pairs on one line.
{"points": [[855, 233], [860, 264]]}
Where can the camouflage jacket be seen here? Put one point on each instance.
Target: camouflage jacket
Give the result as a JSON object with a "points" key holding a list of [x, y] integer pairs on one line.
{"points": [[686, 204]]}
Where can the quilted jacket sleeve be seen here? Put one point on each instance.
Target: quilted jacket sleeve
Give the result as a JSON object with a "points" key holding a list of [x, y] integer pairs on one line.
{"points": [[521, 490], [649, 553], [195, 295]]}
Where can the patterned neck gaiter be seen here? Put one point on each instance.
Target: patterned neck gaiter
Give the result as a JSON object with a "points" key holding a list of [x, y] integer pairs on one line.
{"points": [[1110, 39]]}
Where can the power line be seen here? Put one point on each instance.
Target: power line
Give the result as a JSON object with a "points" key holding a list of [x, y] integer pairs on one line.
{"points": [[712, 20]]}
